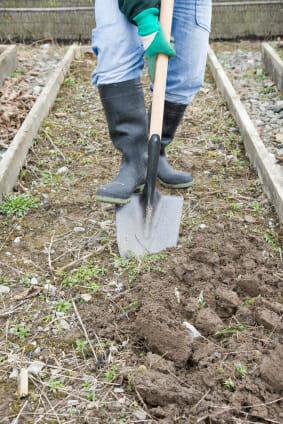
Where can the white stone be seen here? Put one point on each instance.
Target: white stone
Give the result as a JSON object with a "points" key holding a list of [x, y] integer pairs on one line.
{"points": [[140, 415], [18, 240], [14, 374], [4, 289], [86, 297], [79, 229], [50, 289], [62, 170], [193, 332], [34, 281], [64, 324], [35, 368]]}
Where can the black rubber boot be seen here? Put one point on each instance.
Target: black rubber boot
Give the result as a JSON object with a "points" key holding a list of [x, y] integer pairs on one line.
{"points": [[126, 116], [167, 175]]}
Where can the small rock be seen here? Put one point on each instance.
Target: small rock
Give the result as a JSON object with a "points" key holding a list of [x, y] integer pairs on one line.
{"points": [[50, 289], [278, 106], [202, 226], [62, 170], [73, 402], [4, 289], [208, 321], [45, 201], [64, 324], [268, 319], [14, 374], [79, 229], [17, 240], [193, 332], [35, 368], [86, 297], [140, 415], [34, 281]]}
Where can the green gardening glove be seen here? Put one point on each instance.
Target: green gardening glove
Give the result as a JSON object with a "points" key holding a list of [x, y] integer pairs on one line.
{"points": [[153, 38]]}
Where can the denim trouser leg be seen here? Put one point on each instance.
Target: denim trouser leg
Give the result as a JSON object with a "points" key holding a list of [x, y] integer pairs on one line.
{"points": [[116, 43], [120, 53]]}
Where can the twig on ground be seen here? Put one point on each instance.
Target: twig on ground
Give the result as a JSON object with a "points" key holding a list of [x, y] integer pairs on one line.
{"points": [[49, 252], [16, 420], [54, 145], [84, 330]]}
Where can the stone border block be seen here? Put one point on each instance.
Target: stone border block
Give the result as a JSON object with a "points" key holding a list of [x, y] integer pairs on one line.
{"points": [[15, 156], [272, 64], [8, 61], [269, 171]]}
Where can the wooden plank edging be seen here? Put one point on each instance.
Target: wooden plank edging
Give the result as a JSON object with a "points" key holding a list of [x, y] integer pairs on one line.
{"points": [[8, 61], [273, 64], [269, 171], [15, 156]]}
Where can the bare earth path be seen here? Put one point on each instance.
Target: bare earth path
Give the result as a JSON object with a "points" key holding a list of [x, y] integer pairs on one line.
{"points": [[105, 338]]}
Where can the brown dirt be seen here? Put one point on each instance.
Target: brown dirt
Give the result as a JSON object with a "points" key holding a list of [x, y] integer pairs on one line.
{"points": [[225, 278]]}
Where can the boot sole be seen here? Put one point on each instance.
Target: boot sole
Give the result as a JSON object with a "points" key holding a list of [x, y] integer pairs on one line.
{"points": [[112, 200], [117, 200], [183, 185]]}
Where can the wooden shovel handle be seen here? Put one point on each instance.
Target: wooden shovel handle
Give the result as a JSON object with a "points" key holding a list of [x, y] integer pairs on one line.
{"points": [[160, 78]]}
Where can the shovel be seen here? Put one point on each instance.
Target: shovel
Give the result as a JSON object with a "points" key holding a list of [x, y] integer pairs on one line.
{"points": [[150, 222]]}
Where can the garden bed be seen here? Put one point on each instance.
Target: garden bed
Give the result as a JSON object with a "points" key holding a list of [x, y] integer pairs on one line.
{"points": [[123, 353], [19, 91]]}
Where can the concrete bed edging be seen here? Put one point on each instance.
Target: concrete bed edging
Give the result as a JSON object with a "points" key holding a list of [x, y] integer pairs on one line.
{"points": [[15, 156], [8, 61], [273, 64], [268, 170]]}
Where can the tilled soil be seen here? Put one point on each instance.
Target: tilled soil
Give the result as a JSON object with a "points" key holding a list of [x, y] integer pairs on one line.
{"points": [[192, 335], [243, 63], [19, 91]]}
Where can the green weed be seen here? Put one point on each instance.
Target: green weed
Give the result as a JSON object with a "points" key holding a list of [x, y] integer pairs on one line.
{"points": [[229, 384], [55, 384], [201, 301], [240, 370], [62, 306], [271, 239], [134, 266], [111, 374], [84, 276], [229, 331], [18, 205], [22, 331], [80, 345]]}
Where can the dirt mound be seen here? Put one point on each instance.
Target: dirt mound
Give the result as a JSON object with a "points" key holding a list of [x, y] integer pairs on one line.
{"points": [[203, 285]]}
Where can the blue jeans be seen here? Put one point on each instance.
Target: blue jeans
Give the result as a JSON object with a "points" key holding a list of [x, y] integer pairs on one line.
{"points": [[119, 51]]}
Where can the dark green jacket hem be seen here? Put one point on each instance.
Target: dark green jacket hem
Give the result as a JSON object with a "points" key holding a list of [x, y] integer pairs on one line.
{"points": [[132, 8]]}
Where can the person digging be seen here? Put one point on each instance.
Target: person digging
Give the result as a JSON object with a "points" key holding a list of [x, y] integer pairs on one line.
{"points": [[125, 31]]}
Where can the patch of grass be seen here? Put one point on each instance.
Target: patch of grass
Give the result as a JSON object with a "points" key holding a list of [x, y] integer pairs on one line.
{"points": [[134, 266], [49, 178], [257, 208], [229, 384], [251, 301], [80, 345], [271, 238], [63, 305], [55, 384], [240, 370], [18, 205], [21, 330], [229, 331], [111, 374], [84, 276], [201, 301], [267, 90]]}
